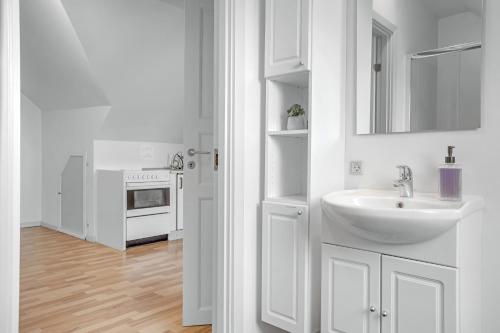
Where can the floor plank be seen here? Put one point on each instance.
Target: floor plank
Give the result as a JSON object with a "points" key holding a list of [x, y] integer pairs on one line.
{"points": [[69, 285]]}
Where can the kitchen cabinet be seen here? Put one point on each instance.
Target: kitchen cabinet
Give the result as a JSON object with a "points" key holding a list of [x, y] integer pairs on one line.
{"points": [[284, 265], [367, 292], [287, 36]]}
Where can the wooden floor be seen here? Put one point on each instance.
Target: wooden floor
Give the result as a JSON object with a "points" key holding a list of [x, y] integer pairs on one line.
{"points": [[69, 285]]}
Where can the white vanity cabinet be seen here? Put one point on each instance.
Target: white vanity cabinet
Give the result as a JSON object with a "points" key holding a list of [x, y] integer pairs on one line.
{"points": [[367, 292], [287, 36], [284, 265]]}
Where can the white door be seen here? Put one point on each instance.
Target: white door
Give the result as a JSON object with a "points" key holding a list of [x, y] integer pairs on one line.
{"points": [[199, 199], [418, 297], [350, 290], [72, 197], [287, 36], [284, 250]]}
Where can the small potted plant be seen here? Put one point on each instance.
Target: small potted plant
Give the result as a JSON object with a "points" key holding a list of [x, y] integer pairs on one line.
{"points": [[295, 117]]}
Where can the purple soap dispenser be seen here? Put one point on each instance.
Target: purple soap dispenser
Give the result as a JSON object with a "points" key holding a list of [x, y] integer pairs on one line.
{"points": [[450, 178]]}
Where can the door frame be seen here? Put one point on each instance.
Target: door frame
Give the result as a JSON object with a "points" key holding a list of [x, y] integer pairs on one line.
{"points": [[229, 73]]}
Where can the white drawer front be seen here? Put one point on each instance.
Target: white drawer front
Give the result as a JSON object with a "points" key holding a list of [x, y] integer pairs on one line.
{"points": [[149, 226]]}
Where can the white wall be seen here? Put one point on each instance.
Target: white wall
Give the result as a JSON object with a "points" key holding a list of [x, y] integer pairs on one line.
{"points": [[136, 49], [477, 150], [130, 155], [65, 133], [31, 163]]}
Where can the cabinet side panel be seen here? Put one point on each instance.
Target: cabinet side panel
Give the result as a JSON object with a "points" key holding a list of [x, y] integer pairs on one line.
{"points": [[470, 268], [110, 209]]}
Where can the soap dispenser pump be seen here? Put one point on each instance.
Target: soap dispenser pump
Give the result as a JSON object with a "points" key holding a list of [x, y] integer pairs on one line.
{"points": [[450, 178]]}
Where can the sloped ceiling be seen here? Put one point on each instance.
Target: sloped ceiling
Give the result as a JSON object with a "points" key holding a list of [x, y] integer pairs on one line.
{"points": [[55, 72], [136, 49]]}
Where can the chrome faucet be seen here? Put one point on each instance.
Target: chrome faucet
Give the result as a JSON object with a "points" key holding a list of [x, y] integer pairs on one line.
{"points": [[405, 181]]}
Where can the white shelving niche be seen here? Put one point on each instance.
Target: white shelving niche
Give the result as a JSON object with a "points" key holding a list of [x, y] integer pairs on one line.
{"points": [[305, 64], [287, 151]]}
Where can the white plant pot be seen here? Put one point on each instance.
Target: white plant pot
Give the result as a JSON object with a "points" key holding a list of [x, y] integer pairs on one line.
{"points": [[295, 123]]}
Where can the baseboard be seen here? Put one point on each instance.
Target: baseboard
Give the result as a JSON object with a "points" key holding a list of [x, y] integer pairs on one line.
{"points": [[177, 234], [49, 226], [31, 224], [70, 233]]}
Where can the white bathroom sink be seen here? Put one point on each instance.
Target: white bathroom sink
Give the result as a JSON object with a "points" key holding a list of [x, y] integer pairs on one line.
{"points": [[384, 217]]}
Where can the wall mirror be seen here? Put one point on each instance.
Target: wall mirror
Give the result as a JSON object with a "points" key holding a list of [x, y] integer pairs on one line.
{"points": [[418, 65]]}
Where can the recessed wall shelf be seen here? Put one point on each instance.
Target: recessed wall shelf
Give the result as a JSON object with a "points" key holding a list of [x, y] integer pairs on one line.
{"points": [[290, 133], [279, 98]]}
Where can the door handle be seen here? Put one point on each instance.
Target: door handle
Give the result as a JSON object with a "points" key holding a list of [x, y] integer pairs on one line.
{"points": [[192, 152]]}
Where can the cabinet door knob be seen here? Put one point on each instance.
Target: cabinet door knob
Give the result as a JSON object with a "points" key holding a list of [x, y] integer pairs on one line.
{"points": [[384, 314], [301, 63], [299, 212], [372, 309]]}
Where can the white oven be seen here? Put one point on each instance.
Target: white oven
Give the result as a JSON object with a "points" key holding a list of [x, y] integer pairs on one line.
{"points": [[149, 201], [148, 198]]}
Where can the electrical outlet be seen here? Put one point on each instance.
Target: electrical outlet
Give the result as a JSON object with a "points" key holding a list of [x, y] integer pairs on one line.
{"points": [[356, 168]]}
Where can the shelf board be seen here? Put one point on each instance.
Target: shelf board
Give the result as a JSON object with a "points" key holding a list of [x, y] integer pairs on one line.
{"points": [[297, 199], [298, 79], [294, 133]]}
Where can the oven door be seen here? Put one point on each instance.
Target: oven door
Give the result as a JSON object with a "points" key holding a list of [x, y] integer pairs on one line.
{"points": [[148, 198]]}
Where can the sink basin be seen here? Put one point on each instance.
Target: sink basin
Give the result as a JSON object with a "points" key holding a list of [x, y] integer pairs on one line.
{"points": [[384, 217]]}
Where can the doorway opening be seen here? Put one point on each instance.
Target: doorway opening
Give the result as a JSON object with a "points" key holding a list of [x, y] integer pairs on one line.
{"points": [[121, 96]]}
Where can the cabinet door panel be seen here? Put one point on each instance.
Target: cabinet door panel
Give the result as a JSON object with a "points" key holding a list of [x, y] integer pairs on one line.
{"points": [[284, 246], [350, 287], [418, 297], [287, 36]]}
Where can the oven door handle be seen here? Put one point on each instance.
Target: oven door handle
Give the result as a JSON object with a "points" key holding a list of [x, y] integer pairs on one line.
{"points": [[148, 185]]}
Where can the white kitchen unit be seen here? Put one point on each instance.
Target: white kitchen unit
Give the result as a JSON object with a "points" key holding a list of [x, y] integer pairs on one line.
{"points": [[425, 280], [179, 202], [284, 256], [287, 36], [133, 207], [177, 179]]}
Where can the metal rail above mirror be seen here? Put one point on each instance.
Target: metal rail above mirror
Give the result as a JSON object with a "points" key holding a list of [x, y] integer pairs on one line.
{"points": [[418, 65]]}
